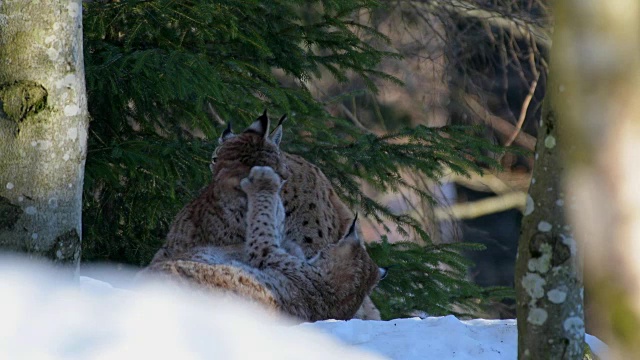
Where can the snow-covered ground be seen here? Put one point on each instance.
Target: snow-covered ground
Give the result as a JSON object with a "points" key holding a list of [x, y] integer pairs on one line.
{"points": [[44, 316]]}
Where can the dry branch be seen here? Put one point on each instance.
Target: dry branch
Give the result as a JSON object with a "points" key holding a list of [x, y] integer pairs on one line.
{"points": [[499, 124], [523, 112], [472, 210], [517, 27], [500, 183]]}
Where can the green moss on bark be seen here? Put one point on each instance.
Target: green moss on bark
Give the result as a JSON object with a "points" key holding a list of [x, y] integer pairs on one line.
{"points": [[66, 248], [22, 98]]}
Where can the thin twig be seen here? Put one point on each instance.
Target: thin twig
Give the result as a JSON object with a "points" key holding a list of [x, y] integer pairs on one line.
{"points": [[523, 112], [215, 115], [469, 9], [354, 119], [499, 124]]}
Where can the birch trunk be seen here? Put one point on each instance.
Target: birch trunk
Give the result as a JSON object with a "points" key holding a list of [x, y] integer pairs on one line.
{"points": [[43, 127], [599, 73]]}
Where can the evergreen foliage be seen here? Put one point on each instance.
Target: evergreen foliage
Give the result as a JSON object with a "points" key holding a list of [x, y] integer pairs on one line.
{"points": [[159, 71], [435, 272]]}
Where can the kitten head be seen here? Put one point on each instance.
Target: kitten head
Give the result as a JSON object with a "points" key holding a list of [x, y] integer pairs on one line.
{"points": [[238, 153], [350, 270]]}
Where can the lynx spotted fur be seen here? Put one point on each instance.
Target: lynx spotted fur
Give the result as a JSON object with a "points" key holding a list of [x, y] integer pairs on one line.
{"points": [[211, 229], [331, 285], [315, 217]]}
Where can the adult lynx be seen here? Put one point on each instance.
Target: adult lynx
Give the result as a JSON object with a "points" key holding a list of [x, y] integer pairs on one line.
{"points": [[315, 215], [211, 229]]}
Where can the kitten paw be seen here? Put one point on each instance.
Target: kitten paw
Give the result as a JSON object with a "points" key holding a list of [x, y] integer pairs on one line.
{"points": [[261, 178]]}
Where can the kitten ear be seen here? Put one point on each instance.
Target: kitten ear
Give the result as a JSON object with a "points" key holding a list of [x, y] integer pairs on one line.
{"points": [[276, 135], [383, 271], [260, 126], [226, 134]]}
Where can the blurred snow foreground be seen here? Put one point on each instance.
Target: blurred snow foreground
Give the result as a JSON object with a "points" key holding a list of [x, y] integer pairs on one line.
{"points": [[45, 316]]}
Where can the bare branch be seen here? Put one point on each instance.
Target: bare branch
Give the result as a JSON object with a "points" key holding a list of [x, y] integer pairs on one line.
{"points": [[472, 210], [470, 10], [499, 124], [523, 112], [214, 114], [354, 119], [500, 183]]}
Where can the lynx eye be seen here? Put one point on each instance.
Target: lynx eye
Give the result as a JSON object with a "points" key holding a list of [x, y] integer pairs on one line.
{"points": [[214, 156]]}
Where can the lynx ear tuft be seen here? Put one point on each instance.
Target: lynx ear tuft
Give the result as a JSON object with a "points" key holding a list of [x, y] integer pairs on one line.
{"points": [[276, 135], [352, 235], [226, 134], [260, 126], [282, 119], [352, 228]]}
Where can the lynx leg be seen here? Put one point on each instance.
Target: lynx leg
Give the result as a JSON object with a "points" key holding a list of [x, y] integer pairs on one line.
{"points": [[265, 214]]}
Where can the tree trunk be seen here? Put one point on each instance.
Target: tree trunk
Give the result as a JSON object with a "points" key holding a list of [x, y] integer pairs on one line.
{"points": [[599, 71], [43, 127], [548, 280]]}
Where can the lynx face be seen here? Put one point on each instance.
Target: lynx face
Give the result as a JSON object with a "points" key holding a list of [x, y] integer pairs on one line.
{"points": [[347, 263]]}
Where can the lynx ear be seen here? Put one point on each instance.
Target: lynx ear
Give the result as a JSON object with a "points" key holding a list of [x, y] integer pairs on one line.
{"points": [[226, 134], [260, 126], [352, 235], [352, 228], [276, 135]]}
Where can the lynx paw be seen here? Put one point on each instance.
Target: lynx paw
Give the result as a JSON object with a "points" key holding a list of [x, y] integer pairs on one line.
{"points": [[261, 178]]}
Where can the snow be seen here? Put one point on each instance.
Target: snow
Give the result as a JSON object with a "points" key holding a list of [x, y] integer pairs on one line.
{"points": [[46, 316], [441, 337]]}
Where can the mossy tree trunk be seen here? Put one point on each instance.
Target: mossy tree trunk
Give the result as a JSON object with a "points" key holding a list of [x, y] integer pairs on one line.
{"points": [[43, 127], [598, 61], [548, 274]]}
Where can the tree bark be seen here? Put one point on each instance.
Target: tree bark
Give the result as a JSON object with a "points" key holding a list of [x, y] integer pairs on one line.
{"points": [[599, 73], [548, 279], [43, 126]]}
